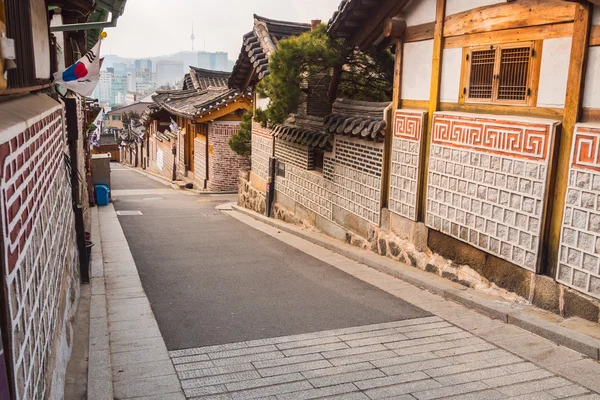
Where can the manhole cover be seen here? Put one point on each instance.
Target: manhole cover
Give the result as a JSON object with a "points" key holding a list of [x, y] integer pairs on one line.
{"points": [[129, 213]]}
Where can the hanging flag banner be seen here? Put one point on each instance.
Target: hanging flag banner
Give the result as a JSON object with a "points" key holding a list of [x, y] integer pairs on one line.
{"points": [[99, 118], [173, 126], [83, 76]]}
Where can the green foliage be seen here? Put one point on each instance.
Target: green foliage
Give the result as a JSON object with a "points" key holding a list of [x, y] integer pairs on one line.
{"points": [[298, 56], [362, 75], [241, 142]]}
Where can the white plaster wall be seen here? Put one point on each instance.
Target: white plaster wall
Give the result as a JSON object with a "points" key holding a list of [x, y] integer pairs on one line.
{"points": [[41, 41], [262, 104], [419, 12], [416, 70], [450, 85], [457, 6], [554, 71], [591, 93]]}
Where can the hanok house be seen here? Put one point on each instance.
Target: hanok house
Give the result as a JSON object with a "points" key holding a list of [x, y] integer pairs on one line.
{"points": [[207, 114], [44, 204], [250, 68], [473, 168]]}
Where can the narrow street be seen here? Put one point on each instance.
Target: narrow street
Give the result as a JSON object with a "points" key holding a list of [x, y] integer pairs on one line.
{"points": [[291, 320], [212, 280]]}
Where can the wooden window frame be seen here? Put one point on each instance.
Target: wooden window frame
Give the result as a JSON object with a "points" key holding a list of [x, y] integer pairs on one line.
{"points": [[533, 74]]}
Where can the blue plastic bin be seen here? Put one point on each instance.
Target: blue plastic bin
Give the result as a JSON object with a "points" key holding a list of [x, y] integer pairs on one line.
{"points": [[102, 195]]}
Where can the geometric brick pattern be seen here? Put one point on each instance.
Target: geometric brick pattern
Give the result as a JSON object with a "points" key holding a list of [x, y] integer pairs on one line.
{"points": [[422, 358], [579, 265], [493, 200], [406, 153], [262, 150], [223, 163], [293, 154], [351, 178], [40, 252]]}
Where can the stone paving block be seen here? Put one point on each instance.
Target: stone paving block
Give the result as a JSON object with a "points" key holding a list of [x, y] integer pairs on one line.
{"points": [[318, 393], [517, 378], [534, 396], [592, 396], [456, 368], [416, 366], [462, 350], [287, 360], [374, 340], [386, 362], [143, 333], [362, 357], [208, 349], [241, 352], [262, 382], [356, 396], [286, 369], [165, 396], [424, 327], [567, 391], [520, 367], [138, 357], [147, 387], [472, 376], [391, 380], [396, 391], [440, 346], [317, 373], [194, 365], [200, 373], [271, 390], [148, 323], [525, 344], [554, 355], [368, 335], [432, 332], [347, 377], [306, 343], [205, 391], [445, 392], [488, 394], [190, 359], [143, 370], [219, 379], [535, 386], [99, 376], [414, 342], [119, 346], [315, 349], [585, 372], [249, 358], [353, 351]]}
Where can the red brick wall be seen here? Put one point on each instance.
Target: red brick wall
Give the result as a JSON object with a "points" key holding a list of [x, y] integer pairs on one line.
{"points": [[223, 163], [39, 247]]}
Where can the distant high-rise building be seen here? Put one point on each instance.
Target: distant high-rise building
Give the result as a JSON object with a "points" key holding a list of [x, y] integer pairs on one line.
{"points": [[216, 61], [143, 64], [167, 72], [105, 87], [118, 89], [131, 82], [120, 69]]}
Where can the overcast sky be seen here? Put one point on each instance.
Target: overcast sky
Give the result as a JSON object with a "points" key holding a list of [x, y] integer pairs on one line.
{"points": [[158, 27]]}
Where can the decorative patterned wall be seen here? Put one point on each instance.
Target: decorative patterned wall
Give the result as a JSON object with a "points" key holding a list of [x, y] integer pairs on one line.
{"points": [[39, 248], [406, 153], [579, 256], [293, 154], [262, 149], [351, 178], [487, 183]]}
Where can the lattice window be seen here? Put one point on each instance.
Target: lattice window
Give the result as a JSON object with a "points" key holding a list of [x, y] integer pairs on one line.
{"points": [[499, 74]]}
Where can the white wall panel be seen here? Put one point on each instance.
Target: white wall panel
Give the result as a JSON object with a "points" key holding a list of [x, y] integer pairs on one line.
{"points": [[591, 94], [420, 12], [554, 71], [450, 85], [416, 70]]}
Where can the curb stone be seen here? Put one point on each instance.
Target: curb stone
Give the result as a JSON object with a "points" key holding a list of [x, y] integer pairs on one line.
{"points": [[449, 290]]}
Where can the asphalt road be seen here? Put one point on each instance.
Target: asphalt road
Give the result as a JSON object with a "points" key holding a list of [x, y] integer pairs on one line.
{"points": [[212, 279]]}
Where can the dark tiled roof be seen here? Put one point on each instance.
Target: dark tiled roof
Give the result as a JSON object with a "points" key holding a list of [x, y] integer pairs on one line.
{"points": [[203, 78], [187, 82], [195, 104], [137, 107], [258, 46], [306, 130], [357, 118], [108, 137], [353, 15]]}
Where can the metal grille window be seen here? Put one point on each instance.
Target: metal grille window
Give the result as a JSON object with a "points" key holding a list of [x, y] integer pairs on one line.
{"points": [[499, 74]]}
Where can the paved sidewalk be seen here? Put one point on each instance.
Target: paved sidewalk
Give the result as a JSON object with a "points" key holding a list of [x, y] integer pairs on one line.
{"points": [[135, 351]]}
